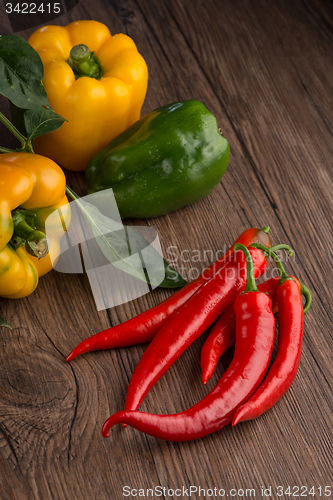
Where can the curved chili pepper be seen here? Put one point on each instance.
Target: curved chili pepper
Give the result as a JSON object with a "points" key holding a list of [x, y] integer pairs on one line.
{"points": [[145, 326], [284, 369], [255, 331], [187, 324], [222, 335]]}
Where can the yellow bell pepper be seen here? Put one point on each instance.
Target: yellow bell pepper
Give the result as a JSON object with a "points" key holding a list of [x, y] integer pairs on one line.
{"points": [[96, 81], [31, 188]]}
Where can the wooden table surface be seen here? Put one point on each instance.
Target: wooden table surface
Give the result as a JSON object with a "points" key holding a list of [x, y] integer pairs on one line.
{"points": [[265, 70]]}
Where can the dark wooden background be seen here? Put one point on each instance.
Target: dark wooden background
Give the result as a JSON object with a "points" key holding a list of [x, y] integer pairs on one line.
{"points": [[265, 70]]}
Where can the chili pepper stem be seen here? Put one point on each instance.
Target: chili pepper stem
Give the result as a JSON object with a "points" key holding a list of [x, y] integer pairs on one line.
{"points": [[36, 243], [250, 279], [308, 297], [283, 275], [271, 252], [282, 246]]}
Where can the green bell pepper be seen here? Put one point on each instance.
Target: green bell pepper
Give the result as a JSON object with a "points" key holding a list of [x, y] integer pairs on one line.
{"points": [[173, 156]]}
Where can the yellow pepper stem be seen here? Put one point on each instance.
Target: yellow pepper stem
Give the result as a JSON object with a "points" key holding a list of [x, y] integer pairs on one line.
{"points": [[84, 63], [37, 243]]}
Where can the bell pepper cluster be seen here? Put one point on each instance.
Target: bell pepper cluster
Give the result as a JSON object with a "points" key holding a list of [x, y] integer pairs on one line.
{"points": [[243, 314], [98, 83], [31, 188]]}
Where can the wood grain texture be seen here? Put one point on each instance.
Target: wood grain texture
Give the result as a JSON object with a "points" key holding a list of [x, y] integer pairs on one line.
{"points": [[265, 70]]}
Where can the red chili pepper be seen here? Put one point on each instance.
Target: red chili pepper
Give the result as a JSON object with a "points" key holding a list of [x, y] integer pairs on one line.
{"points": [[255, 331], [145, 326], [284, 369], [189, 322], [222, 335]]}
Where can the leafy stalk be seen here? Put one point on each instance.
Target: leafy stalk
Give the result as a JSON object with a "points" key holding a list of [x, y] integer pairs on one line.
{"points": [[119, 244], [4, 324], [13, 130]]}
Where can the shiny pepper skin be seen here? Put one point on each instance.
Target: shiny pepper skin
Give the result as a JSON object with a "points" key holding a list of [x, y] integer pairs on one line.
{"points": [[222, 336], [172, 157], [189, 322], [32, 182], [284, 369], [145, 326], [96, 110], [255, 332]]}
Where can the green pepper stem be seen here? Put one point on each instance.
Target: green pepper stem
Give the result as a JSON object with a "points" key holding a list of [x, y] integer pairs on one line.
{"points": [[266, 229], [283, 275], [84, 62], [282, 246], [80, 53], [13, 130], [71, 193], [37, 243], [250, 279], [16, 242], [25, 144], [6, 150], [308, 297]]}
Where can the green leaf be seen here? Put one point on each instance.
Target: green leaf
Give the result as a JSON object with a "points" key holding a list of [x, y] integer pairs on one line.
{"points": [[119, 244], [41, 121], [21, 73], [4, 324]]}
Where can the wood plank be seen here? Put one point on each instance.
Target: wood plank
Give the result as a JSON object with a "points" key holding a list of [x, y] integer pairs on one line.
{"points": [[265, 71]]}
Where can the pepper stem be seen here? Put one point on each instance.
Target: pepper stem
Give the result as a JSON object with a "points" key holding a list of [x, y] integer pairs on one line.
{"points": [[308, 297], [6, 150], [37, 243], [250, 279], [282, 246], [80, 53], [13, 130], [266, 229], [283, 275], [71, 193], [84, 63], [271, 252]]}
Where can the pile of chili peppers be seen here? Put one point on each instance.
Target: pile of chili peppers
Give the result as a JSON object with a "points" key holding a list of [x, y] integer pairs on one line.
{"points": [[225, 294]]}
